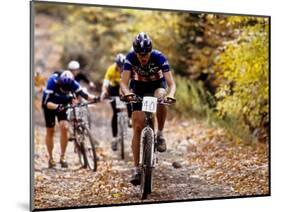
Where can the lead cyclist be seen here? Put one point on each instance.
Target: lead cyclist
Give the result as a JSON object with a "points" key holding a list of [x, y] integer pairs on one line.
{"points": [[150, 75]]}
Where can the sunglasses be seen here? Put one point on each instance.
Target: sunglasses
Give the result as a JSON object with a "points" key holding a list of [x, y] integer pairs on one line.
{"points": [[142, 55]]}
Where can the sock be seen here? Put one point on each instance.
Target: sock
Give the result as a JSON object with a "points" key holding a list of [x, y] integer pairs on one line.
{"points": [[159, 132], [137, 169]]}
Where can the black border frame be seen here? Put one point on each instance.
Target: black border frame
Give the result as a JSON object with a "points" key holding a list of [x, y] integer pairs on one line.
{"points": [[31, 89]]}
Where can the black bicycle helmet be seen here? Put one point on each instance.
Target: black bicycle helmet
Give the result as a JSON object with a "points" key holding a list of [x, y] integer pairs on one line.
{"points": [[142, 43], [120, 59], [65, 80]]}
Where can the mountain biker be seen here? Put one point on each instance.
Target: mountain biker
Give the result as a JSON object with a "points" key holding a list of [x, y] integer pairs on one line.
{"points": [[56, 95], [111, 87], [149, 72], [74, 67]]}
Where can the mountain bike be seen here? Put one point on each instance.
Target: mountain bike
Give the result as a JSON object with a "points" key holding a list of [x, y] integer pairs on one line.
{"points": [[83, 140], [148, 142]]}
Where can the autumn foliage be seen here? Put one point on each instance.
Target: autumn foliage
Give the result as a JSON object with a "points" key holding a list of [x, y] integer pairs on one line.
{"points": [[220, 62]]}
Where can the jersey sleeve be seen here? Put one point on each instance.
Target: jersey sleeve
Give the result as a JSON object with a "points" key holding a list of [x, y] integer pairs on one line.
{"points": [[164, 64], [51, 85], [49, 94], [75, 87], [108, 74], [128, 63]]}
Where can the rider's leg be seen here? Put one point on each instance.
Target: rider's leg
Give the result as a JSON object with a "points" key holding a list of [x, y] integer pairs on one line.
{"points": [[138, 124], [50, 121], [50, 141], [161, 117], [63, 124], [161, 109], [114, 125], [114, 119]]}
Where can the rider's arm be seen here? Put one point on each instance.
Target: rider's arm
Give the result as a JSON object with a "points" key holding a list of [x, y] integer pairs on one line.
{"points": [[106, 82], [171, 83], [105, 85], [167, 75], [76, 88], [125, 78]]}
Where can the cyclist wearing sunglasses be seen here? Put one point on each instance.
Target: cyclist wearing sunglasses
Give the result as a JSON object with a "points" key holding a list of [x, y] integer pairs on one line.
{"points": [[150, 75]]}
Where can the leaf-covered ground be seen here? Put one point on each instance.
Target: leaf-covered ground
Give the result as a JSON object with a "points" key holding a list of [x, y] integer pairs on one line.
{"points": [[211, 164]]}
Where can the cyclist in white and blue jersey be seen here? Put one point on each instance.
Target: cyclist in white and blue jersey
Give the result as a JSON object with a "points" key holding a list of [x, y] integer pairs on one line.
{"points": [[58, 93], [149, 74]]}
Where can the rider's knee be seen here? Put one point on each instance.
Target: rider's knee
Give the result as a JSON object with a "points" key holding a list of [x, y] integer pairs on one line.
{"points": [[50, 131], [138, 127], [63, 125], [137, 123], [160, 93]]}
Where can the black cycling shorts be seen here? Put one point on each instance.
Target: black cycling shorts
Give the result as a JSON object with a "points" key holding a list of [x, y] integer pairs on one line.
{"points": [[113, 90], [145, 89], [50, 117]]}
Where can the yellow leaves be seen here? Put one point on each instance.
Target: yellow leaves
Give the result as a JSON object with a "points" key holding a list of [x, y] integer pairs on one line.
{"points": [[244, 63], [116, 195]]}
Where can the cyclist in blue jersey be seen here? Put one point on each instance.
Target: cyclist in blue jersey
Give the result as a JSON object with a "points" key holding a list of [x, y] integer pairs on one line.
{"points": [[58, 93], [149, 72]]}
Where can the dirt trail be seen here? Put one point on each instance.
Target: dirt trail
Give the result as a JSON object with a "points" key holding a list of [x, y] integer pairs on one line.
{"points": [[110, 184]]}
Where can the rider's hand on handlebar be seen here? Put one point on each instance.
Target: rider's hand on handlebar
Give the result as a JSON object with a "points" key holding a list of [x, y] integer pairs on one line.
{"points": [[129, 97], [92, 97], [74, 101], [169, 99], [60, 108], [103, 95]]}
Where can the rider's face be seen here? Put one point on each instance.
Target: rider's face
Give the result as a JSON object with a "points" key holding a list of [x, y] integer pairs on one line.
{"points": [[143, 58]]}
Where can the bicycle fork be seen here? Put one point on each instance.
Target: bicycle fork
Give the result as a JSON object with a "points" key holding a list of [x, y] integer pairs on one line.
{"points": [[148, 129]]}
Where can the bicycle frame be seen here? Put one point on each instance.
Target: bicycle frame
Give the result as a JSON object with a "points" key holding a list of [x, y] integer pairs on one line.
{"points": [[80, 132], [77, 124], [148, 154]]}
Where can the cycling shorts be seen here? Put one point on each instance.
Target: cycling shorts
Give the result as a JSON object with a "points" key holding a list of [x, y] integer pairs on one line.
{"points": [[145, 89], [50, 117]]}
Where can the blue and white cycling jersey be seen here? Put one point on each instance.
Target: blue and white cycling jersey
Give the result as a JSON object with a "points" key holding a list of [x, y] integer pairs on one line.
{"points": [[54, 93], [152, 71]]}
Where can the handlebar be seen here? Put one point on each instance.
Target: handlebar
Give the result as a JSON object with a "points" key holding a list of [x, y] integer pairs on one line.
{"points": [[82, 104], [136, 99]]}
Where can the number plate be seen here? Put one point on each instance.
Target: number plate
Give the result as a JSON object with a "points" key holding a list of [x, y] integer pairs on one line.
{"points": [[149, 104], [119, 103]]}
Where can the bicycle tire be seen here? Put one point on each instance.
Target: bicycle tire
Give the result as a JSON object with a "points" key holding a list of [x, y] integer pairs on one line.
{"points": [[82, 155], [90, 151], [79, 149], [89, 118], [147, 170]]}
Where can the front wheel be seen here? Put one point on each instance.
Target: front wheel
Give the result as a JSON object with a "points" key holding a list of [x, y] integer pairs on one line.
{"points": [[147, 161], [90, 150]]}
